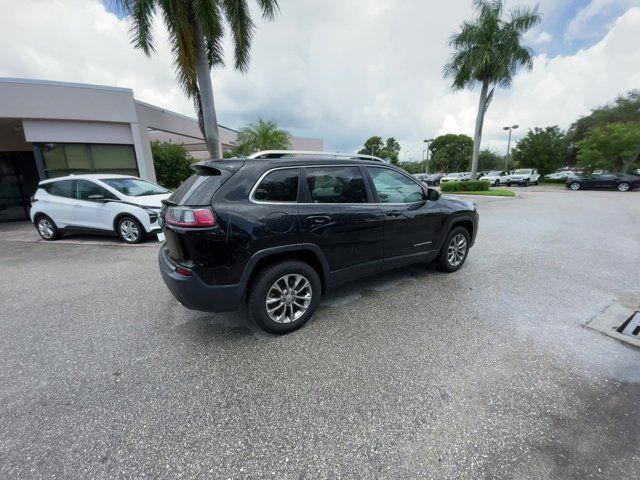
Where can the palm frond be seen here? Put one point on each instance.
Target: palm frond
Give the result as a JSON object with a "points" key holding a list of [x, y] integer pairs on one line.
{"points": [[269, 8], [236, 13]]}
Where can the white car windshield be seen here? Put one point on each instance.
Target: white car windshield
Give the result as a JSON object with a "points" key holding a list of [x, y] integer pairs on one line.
{"points": [[523, 172], [134, 187], [494, 174]]}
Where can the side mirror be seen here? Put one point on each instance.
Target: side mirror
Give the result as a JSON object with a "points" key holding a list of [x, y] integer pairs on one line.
{"points": [[97, 198], [433, 194]]}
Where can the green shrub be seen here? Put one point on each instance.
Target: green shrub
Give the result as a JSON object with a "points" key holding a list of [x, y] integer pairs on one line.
{"points": [[469, 186], [172, 163], [554, 180]]}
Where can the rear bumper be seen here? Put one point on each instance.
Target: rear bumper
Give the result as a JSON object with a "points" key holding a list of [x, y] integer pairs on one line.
{"points": [[194, 294]]}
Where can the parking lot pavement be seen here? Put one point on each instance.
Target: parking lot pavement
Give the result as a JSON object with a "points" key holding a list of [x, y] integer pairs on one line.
{"points": [[485, 373], [26, 232]]}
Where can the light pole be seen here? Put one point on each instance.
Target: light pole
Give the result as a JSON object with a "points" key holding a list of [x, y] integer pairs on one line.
{"points": [[405, 155], [506, 160], [426, 165], [376, 147]]}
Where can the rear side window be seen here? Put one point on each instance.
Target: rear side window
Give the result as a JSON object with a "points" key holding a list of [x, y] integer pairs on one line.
{"points": [[336, 185], [278, 186], [63, 188]]}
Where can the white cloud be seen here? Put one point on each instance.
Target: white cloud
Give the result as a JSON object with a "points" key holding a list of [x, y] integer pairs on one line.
{"points": [[538, 38], [588, 21], [334, 69]]}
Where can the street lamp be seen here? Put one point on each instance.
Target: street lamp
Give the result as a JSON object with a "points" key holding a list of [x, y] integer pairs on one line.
{"points": [[506, 160], [376, 147], [426, 165]]}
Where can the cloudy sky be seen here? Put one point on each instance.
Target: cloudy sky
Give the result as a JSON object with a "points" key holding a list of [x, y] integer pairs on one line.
{"points": [[344, 70]]}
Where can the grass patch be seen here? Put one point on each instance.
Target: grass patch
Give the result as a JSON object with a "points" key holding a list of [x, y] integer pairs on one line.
{"points": [[496, 192]]}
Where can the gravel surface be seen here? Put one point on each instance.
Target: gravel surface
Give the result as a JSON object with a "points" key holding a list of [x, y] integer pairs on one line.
{"points": [[484, 373]]}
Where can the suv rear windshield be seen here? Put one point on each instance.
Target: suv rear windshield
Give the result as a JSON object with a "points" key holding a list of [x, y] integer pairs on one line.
{"points": [[199, 189]]}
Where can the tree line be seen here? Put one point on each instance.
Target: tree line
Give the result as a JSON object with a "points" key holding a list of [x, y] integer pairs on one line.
{"points": [[608, 139]]}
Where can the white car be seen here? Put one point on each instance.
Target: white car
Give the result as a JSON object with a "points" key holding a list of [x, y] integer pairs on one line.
{"points": [[456, 177], [98, 203], [497, 177], [525, 177]]}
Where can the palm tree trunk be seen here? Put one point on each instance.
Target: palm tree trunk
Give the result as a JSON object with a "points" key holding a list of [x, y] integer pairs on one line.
{"points": [[477, 136], [203, 72]]}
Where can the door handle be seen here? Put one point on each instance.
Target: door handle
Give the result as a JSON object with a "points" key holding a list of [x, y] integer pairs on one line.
{"points": [[317, 219], [394, 213]]}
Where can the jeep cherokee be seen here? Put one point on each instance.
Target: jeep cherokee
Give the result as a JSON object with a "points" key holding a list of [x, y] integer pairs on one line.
{"points": [[276, 233]]}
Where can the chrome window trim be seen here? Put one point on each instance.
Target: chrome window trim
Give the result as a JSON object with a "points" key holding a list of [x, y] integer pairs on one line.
{"points": [[255, 187], [260, 202]]}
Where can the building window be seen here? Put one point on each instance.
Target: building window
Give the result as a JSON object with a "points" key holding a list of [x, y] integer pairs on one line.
{"points": [[62, 159]]}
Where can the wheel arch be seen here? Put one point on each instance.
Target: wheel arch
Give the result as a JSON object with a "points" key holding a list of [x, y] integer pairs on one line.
{"points": [[308, 253], [465, 222], [121, 215]]}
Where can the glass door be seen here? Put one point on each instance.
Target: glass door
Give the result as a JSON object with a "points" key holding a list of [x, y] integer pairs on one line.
{"points": [[18, 182]]}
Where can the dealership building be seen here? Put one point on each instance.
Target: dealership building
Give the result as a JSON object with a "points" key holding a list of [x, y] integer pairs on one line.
{"points": [[50, 129]]}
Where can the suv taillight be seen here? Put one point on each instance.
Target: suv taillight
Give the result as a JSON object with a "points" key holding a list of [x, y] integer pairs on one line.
{"points": [[189, 217]]}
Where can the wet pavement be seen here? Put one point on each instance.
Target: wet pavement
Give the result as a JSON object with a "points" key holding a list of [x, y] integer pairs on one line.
{"points": [[485, 373]]}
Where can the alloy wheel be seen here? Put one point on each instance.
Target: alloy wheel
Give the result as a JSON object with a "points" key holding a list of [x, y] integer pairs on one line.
{"points": [[129, 230], [457, 250], [623, 187], [45, 228], [288, 298], [574, 186]]}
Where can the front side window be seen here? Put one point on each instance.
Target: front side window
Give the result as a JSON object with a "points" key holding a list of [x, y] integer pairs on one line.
{"points": [[134, 187], [278, 186], [393, 187], [63, 188], [336, 185], [85, 189]]}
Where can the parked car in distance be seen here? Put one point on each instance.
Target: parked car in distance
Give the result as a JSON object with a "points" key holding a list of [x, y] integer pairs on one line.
{"points": [[621, 181], [276, 233], [497, 177], [433, 180], [98, 203], [456, 177], [420, 176], [524, 177]]}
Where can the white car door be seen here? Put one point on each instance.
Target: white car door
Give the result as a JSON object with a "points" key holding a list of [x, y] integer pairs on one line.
{"points": [[59, 203], [97, 213]]}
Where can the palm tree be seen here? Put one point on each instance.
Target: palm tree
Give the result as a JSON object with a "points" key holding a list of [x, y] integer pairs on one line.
{"points": [[196, 32], [262, 135], [488, 52]]}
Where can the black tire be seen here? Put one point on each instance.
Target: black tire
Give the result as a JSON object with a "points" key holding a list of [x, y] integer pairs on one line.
{"points": [[445, 263], [575, 186], [130, 230], [525, 183], [536, 182], [624, 187], [508, 184], [260, 291], [47, 228], [496, 183]]}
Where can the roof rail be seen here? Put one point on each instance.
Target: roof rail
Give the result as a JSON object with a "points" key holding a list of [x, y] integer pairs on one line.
{"points": [[304, 153]]}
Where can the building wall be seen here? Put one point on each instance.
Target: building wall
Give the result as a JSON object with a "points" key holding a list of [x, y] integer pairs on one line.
{"points": [[58, 112]]}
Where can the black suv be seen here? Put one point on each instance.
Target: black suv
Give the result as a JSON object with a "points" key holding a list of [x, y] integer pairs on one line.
{"points": [[279, 232]]}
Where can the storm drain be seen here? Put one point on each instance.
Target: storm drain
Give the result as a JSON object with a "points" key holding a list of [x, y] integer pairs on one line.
{"points": [[631, 326], [619, 320]]}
